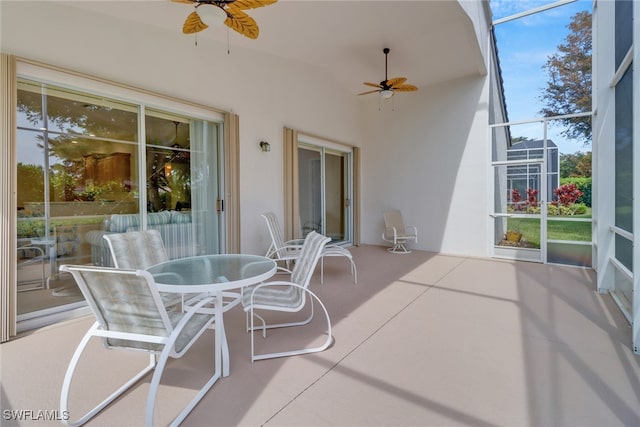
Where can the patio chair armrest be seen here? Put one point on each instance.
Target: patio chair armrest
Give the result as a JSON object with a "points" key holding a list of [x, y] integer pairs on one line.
{"points": [[285, 252], [294, 242], [390, 231]]}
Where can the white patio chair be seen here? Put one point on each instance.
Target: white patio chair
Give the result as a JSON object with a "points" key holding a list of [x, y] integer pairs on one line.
{"points": [[136, 249], [288, 296], [130, 315], [140, 250], [397, 233], [289, 251]]}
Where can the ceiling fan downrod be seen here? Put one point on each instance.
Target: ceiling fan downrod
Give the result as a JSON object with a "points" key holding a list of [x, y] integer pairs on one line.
{"points": [[386, 57]]}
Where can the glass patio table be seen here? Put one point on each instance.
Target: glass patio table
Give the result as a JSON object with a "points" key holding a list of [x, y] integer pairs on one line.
{"points": [[214, 275]]}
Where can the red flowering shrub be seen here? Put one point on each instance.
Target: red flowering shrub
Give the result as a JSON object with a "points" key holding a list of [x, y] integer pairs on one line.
{"points": [[532, 198], [567, 194], [516, 198]]}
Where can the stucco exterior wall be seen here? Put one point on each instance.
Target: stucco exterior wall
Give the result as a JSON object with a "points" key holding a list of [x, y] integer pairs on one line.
{"points": [[267, 92], [428, 157]]}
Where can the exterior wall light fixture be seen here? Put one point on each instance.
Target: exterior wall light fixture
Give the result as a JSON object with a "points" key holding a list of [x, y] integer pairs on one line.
{"points": [[265, 146]]}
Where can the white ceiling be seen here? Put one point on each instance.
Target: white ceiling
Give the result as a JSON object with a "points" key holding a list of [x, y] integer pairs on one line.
{"points": [[431, 41]]}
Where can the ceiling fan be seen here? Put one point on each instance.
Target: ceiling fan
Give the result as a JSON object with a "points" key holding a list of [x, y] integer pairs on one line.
{"points": [[229, 10], [388, 87]]}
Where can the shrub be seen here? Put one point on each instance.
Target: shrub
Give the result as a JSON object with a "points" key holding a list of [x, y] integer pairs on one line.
{"points": [[532, 198], [584, 185], [516, 198], [579, 208], [573, 209], [567, 194]]}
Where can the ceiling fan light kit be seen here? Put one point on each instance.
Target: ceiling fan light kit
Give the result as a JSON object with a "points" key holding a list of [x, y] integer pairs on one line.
{"points": [[386, 94], [231, 12], [388, 87], [211, 14]]}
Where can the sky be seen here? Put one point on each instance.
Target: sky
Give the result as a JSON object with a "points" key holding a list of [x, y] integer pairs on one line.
{"points": [[524, 46]]}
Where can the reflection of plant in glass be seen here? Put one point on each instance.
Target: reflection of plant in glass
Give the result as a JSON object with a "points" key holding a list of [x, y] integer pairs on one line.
{"points": [[30, 228], [168, 179], [63, 183], [30, 183], [179, 182], [90, 193]]}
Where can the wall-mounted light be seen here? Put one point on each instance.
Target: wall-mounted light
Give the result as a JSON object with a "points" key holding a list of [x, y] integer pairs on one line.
{"points": [[265, 146]]}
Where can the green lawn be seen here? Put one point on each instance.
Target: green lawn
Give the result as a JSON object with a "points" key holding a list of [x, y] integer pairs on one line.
{"points": [[574, 231], [556, 230]]}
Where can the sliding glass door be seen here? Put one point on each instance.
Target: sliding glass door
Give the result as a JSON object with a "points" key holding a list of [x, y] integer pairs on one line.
{"points": [[325, 185], [88, 165]]}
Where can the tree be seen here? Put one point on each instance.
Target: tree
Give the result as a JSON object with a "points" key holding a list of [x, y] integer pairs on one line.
{"points": [[575, 165], [583, 167], [568, 89], [568, 164]]}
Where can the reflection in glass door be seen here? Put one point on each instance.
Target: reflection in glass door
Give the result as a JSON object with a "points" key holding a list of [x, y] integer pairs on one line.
{"points": [[325, 192], [82, 173]]}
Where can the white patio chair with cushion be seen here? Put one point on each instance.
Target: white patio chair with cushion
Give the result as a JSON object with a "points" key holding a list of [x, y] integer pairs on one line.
{"points": [[130, 315], [288, 296], [397, 233], [289, 251]]}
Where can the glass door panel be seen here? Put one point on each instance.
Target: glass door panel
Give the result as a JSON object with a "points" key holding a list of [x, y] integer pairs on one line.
{"points": [[336, 201], [182, 183], [310, 189], [81, 173], [325, 191], [76, 163]]}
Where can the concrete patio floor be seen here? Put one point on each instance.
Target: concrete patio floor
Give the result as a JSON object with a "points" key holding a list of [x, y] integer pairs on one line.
{"points": [[422, 340]]}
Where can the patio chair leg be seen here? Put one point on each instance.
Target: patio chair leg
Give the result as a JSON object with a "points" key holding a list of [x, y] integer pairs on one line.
{"points": [[354, 273], [399, 248], [153, 392], [66, 385], [322, 347]]}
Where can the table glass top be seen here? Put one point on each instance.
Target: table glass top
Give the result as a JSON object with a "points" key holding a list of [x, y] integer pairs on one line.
{"points": [[210, 269]]}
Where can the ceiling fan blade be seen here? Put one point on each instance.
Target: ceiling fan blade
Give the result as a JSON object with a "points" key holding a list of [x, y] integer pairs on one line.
{"points": [[193, 24], [252, 4], [373, 84], [184, 1], [239, 21], [396, 81], [405, 88], [371, 91]]}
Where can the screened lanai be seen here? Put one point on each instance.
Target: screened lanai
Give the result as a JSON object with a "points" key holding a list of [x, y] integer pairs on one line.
{"points": [[301, 93]]}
